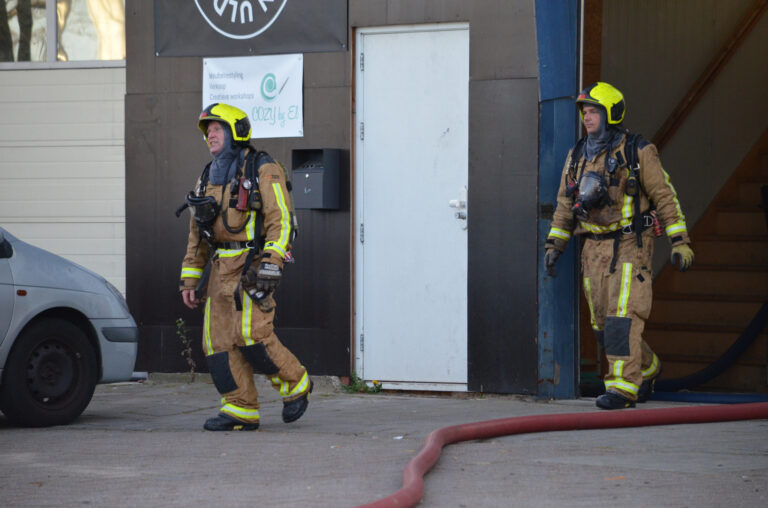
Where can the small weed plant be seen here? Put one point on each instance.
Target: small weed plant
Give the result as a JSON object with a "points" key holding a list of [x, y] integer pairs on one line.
{"points": [[357, 385], [183, 333]]}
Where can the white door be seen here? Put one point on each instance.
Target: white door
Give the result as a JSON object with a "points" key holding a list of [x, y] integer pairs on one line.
{"points": [[411, 181]]}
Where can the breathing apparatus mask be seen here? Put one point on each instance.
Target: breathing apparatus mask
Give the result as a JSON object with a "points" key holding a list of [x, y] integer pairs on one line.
{"points": [[204, 210], [592, 193]]}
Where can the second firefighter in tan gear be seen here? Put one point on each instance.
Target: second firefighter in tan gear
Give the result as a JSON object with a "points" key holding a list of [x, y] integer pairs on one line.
{"points": [[613, 189], [238, 330]]}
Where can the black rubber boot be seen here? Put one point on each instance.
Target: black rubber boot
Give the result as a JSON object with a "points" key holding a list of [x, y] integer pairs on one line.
{"points": [[293, 410], [611, 400], [226, 422], [647, 387]]}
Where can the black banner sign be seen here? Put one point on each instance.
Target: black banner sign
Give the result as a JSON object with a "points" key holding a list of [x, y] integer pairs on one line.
{"points": [[249, 27]]}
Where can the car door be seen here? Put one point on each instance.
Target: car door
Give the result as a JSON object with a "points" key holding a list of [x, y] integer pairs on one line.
{"points": [[6, 286]]}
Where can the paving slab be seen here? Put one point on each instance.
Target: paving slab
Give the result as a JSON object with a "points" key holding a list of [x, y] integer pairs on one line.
{"points": [[142, 444]]}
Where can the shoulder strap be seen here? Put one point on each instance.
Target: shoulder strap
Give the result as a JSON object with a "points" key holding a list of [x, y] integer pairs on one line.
{"points": [[635, 142], [631, 148], [254, 160], [251, 169], [204, 178], [576, 153]]}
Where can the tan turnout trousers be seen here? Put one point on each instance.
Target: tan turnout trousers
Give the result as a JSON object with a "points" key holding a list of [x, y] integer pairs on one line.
{"points": [[242, 336], [619, 303]]}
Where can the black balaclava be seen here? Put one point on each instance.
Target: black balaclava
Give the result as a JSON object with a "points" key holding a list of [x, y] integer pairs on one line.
{"points": [[224, 165], [605, 138]]}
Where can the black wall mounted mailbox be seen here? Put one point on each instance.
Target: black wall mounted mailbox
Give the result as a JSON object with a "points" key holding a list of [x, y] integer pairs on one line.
{"points": [[316, 178]]}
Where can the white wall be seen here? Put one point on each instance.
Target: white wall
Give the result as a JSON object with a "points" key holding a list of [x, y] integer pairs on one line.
{"points": [[62, 164]]}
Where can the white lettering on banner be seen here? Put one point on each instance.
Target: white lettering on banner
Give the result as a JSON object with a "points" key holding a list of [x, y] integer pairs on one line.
{"points": [[237, 19]]}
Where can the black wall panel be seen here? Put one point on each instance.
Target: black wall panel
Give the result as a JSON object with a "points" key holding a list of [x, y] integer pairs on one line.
{"points": [[165, 153], [502, 315]]}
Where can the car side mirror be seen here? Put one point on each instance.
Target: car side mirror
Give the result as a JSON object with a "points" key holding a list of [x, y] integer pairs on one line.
{"points": [[6, 250]]}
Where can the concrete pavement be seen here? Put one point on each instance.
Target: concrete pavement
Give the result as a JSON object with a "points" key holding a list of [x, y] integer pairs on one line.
{"points": [[142, 444]]}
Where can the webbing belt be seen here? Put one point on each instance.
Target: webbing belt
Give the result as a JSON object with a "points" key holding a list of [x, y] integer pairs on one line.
{"points": [[234, 245], [645, 223]]}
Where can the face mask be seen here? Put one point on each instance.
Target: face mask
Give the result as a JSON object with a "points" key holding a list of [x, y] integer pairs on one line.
{"points": [[593, 193]]}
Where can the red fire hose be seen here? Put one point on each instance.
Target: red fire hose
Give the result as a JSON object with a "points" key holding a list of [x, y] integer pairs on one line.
{"points": [[413, 481]]}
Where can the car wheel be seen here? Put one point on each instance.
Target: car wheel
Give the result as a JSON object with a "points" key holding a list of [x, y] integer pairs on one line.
{"points": [[49, 376]]}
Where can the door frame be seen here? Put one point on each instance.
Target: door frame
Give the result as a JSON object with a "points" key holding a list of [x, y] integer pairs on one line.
{"points": [[356, 343]]}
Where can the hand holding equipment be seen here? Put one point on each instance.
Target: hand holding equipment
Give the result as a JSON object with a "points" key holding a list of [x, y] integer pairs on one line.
{"points": [[550, 258], [682, 255], [264, 277]]}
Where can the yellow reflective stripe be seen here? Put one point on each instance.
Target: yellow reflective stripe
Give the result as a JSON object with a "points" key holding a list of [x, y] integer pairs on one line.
{"points": [[623, 385], [285, 390], [652, 369], [626, 210], [588, 292], [273, 246], [230, 253], [615, 226], [284, 387], [301, 386], [618, 368], [677, 227], [191, 273], [560, 233], [245, 320], [281, 244], [250, 229], [674, 196], [626, 281], [241, 413], [207, 328]]}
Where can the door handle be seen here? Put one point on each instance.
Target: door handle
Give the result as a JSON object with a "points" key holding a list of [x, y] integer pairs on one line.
{"points": [[461, 206]]}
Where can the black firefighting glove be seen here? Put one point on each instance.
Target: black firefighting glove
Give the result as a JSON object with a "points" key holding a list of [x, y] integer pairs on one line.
{"points": [[682, 255], [268, 277], [550, 258], [262, 277]]}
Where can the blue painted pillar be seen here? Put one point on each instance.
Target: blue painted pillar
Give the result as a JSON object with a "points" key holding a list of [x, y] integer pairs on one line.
{"points": [[557, 33]]}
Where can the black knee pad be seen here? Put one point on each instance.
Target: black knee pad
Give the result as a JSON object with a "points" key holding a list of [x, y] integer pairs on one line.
{"points": [[218, 366], [600, 336], [256, 355], [617, 335]]}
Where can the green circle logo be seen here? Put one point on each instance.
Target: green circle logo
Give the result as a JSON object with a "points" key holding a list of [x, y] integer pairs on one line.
{"points": [[269, 87]]}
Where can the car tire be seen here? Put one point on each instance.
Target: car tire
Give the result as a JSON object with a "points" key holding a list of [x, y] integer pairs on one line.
{"points": [[50, 375]]}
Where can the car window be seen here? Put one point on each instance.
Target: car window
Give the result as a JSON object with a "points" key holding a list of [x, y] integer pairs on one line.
{"points": [[6, 250]]}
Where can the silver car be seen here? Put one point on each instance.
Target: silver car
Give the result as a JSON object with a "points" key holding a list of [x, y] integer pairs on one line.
{"points": [[63, 329]]}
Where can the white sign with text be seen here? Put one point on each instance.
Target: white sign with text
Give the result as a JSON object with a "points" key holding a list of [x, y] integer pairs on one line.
{"points": [[267, 88]]}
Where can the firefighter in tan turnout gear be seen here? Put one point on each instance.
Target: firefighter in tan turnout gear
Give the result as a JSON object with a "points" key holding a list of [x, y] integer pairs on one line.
{"points": [[239, 235], [613, 192]]}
